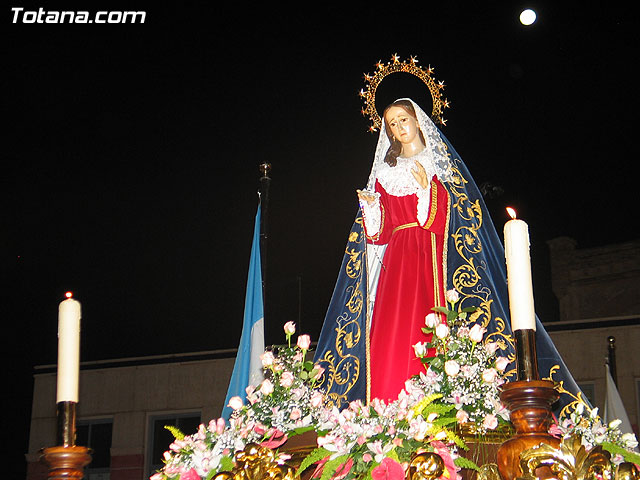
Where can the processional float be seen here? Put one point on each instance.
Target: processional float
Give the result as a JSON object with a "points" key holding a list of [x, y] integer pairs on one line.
{"points": [[526, 450]]}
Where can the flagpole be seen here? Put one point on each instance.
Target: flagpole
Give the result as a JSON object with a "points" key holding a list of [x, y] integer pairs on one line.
{"points": [[612, 358], [265, 182]]}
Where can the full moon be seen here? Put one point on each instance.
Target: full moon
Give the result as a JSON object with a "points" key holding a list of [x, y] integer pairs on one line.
{"points": [[527, 17]]}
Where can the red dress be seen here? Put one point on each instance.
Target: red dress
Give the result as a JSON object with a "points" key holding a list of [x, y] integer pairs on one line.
{"points": [[411, 283]]}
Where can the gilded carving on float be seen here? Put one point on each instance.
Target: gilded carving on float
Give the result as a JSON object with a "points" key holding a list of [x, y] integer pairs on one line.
{"points": [[258, 463], [570, 461], [425, 466]]}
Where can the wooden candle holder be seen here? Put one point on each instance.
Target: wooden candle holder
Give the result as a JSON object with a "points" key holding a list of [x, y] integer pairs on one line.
{"points": [[65, 463], [530, 404]]}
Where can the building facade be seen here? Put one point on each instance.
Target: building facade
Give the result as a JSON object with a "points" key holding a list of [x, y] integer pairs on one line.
{"points": [[125, 404]]}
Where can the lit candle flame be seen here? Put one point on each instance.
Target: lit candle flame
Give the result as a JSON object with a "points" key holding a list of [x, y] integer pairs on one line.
{"points": [[511, 212], [68, 294]]}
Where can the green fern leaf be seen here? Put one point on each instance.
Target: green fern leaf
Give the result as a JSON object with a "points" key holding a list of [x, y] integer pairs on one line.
{"points": [[313, 457], [626, 454], [175, 431], [466, 463]]}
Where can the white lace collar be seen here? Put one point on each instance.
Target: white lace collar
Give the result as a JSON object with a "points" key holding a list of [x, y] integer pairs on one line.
{"points": [[399, 181]]}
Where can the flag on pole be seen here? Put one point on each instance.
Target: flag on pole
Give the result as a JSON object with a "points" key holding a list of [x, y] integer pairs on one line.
{"points": [[248, 367], [613, 406]]}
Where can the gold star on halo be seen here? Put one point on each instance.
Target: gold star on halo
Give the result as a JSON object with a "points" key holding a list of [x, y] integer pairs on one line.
{"points": [[395, 65]]}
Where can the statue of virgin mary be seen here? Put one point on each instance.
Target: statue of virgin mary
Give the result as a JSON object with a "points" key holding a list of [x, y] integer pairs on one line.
{"points": [[421, 229]]}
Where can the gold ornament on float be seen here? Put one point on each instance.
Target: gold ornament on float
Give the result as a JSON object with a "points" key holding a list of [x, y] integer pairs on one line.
{"points": [[395, 65]]}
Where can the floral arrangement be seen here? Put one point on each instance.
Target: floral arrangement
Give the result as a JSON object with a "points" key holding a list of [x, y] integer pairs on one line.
{"points": [[375, 440], [460, 366], [378, 440], [594, 432], [460, 385], [283, 405]]}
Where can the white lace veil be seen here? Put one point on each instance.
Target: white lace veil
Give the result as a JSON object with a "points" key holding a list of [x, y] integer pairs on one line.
{"points": [[438, 162], [435, 149]]}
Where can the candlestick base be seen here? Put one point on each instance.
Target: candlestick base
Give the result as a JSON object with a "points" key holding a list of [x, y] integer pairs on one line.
{"points": [[530, 405], [65, 462]]}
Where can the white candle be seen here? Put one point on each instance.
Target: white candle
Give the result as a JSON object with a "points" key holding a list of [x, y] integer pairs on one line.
{"points": [[516, 249], [69, 314]]}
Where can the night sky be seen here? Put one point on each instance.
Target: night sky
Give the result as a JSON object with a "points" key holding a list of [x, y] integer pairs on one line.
{"points": [[130, 172]]}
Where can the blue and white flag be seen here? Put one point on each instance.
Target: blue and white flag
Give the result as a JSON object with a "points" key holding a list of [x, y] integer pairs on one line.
{"points": [[248, 367]]}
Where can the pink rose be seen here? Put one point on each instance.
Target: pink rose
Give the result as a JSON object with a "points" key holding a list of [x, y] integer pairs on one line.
{"points": [[267, 359], [451, 368], [190, 475], [267, 387], [476, 333], [295, 414], [491, 347], [462, 416], [490, 422], [316, 399], [501, 363], [304, 341], [432, 320], [452, 296], [317, 372], [388, 469], [287, 378], [489, 375], [235, 403], [289, 328]]}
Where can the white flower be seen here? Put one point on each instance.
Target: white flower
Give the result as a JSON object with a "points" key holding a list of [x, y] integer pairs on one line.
{"points": [[235, 403], [442, 331], [451, 368], [452, 296], [489, 375], [491, 347], [615, 424], [289, 328], [267, 387], [629, 439], [432, 320], [420, 349], [476, 333], [502, 363], [267, 358]]}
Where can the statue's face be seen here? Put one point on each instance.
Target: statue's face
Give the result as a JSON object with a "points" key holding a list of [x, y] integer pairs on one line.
{"points": [[402, 124]]}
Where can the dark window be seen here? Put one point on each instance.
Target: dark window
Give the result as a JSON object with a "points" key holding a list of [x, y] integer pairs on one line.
{"points": [[96, 435], [161, 438]]}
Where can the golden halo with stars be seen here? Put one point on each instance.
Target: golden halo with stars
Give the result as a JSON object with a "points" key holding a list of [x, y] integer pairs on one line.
{"points": [[395, 65]]}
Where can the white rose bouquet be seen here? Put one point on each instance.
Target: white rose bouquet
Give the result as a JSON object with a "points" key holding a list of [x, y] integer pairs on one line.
{"points": [[461, 366]]}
